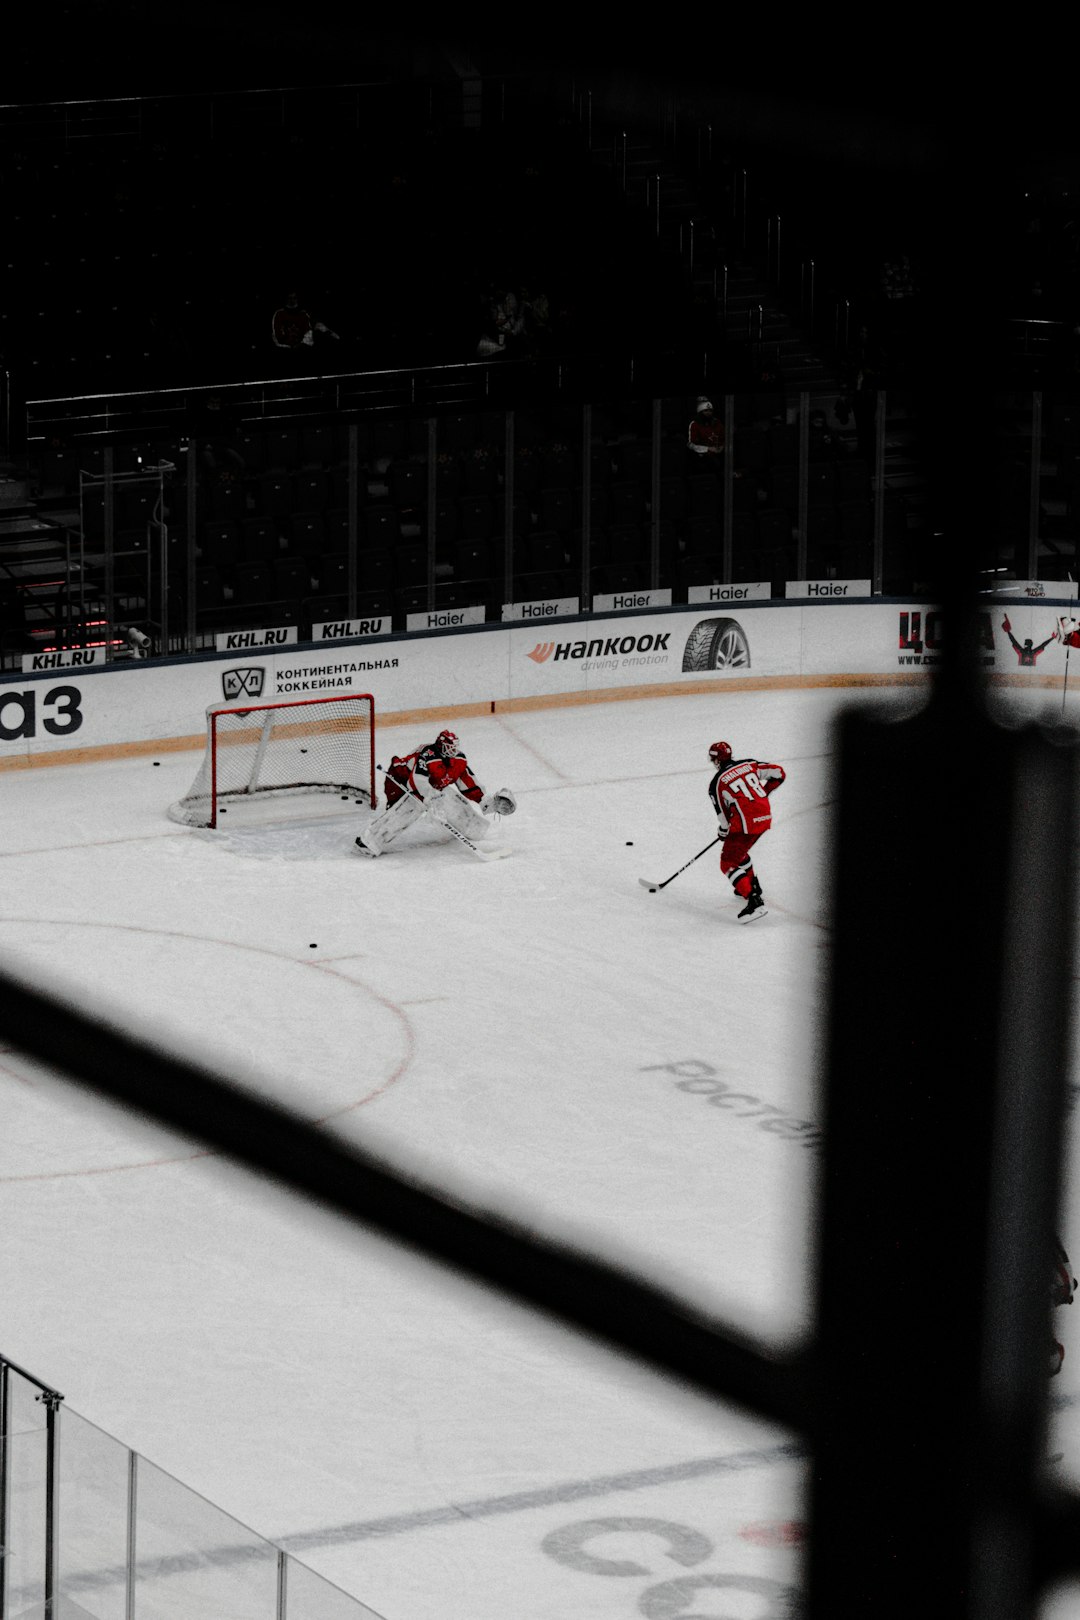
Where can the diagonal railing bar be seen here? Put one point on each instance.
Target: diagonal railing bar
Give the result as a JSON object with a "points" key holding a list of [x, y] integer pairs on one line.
{"points": [[621, 1311]]}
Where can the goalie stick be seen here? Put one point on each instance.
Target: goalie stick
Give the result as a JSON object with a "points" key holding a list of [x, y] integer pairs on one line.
{"points": [[647, 883], [481, 854]]}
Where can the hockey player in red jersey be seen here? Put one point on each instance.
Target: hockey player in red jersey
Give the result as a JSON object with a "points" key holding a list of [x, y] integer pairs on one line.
{"points": [[435, 778], [739, 793]]}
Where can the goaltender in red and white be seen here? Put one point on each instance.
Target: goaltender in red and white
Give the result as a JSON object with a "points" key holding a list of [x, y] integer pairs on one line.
{"points": [[436, 780], [739, 793]]}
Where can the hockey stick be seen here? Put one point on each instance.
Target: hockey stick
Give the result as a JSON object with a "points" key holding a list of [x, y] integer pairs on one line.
{"points": [[646, 883], [1065, 683], [481, 854]]}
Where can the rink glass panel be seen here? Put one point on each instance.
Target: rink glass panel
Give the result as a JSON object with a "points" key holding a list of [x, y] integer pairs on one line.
{"points": [[94, 1497], [193, 1559], [308, 1596], [27, 1452]]}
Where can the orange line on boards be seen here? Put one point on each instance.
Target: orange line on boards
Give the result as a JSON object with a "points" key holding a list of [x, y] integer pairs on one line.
{"points": [[28, 760]]}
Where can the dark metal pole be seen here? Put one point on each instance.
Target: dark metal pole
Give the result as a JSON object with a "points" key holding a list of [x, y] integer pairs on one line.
{"points": [[508, 509], [5, 1479], [729, 489], [803, 490], [51, 1401], [432, 501], [132, 1539], [108, 590], [878, 566], [586, 506], [946, 1069], [191, 543], [654, 497], [353, 516]]}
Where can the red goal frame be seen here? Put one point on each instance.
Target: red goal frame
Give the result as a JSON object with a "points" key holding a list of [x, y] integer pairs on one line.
{"points": [[288, 703]]}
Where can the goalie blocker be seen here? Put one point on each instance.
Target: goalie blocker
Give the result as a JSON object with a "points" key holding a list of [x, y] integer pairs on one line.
{"points": [[436, 781]]}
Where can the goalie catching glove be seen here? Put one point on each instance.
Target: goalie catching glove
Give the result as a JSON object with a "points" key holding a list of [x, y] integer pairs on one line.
{"points": [[500, 803]]}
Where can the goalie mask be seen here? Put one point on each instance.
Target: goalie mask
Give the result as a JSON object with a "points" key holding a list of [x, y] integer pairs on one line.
{"points": [[447, 744], [720, 754]]}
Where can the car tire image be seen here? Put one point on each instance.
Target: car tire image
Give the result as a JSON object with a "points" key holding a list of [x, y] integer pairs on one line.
{"points": [[716, 644]]}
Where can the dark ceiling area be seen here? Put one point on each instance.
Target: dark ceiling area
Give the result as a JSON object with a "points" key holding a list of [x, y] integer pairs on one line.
{"points": [[891, 94]]}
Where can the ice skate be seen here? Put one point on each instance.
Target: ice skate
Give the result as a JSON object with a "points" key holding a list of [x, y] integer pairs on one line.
{"points": [[754, 907], [366, 849]]}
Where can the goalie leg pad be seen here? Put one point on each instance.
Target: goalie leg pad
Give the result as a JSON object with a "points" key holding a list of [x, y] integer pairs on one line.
{"points": [[390, 823], [461, 814]]}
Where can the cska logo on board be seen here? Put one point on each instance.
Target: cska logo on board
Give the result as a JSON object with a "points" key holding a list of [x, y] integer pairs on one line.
{"points": [[920, 637], [237, 683]]}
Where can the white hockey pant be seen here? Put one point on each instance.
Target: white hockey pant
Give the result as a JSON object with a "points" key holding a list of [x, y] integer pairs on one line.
{"points": [[390, 823]]}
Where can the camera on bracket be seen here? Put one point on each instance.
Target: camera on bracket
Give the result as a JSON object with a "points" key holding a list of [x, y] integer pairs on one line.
{"points": [[138, 641]]}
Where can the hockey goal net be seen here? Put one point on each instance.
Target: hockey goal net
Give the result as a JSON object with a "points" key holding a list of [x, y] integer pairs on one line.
{"points": [[312, 745]]}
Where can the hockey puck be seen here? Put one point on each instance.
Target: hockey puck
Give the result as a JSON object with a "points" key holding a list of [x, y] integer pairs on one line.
{"points": [[313, 946], [157, 762], [629, 843]]}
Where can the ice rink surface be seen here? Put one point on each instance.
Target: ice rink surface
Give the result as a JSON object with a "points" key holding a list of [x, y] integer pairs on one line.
{"points": [[635, 1072]]}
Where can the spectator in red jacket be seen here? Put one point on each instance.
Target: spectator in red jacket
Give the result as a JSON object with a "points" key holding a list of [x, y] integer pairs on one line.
{"points": [[293, 328], [705, 435]]}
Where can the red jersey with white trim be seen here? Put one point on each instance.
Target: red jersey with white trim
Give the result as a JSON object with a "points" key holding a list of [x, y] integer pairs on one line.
{"points": [[705, 437], [290, 326], [435, 772], [740, 795]]}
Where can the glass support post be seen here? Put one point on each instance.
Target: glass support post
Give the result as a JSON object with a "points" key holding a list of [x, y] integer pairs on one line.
{"points": [[1034, 482], [878, 582], [72, 614], [51, 1401], [109, 463], [586, 505], [282, 1605], [432, 452], [508, 509], [353, 514], [880, 491], [131, 1543], [190, 498], [5, 1479], [803, 490], [728, 563], [191, 492], [654, 496], [162, 560]]}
